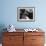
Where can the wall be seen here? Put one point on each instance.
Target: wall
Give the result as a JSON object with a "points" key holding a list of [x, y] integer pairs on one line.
{"points": [[8, 13]]}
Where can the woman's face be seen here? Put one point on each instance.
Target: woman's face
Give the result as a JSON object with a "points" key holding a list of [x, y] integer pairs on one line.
{"points": [[25, 17]]}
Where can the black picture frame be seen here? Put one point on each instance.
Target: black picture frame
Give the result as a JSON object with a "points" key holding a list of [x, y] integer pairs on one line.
{"points": [[26, 14]]}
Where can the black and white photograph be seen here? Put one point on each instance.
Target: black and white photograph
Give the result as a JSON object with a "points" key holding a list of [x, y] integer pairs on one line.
{"points": [[26, 14]]}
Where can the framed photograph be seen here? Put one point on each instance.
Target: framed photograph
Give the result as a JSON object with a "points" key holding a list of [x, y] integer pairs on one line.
{"points": [[26, 14]]}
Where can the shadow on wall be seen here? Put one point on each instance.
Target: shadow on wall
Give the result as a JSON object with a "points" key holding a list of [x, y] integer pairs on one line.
{"points": [[2, 26]]}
